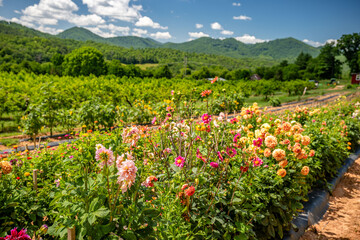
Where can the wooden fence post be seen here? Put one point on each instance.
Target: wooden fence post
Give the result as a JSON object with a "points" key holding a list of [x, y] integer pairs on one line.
{"points": [[71, 233], [35, 179]]}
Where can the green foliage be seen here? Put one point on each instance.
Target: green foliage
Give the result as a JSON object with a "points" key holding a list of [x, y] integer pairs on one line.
{"points": [[32, 122], [275, 102], [84, 61], [349, 46]]}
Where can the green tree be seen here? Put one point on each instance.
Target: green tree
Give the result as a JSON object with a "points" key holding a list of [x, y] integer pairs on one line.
{"points": [[163, 72], [291, 72], [116, 68], [349, 46], [302, 60], [84, 61], [328, 61]]}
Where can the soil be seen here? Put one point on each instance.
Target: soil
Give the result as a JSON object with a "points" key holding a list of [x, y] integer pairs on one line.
{"points": [[342, 220]]}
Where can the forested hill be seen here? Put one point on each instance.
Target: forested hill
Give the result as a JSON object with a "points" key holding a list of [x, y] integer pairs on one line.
{"points": [[287, 48], [19, 44], [82, 34]]}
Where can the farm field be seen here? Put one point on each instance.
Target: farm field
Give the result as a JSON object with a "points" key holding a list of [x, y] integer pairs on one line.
{"points": [[243, 178], [119, 101], [126, 120]]}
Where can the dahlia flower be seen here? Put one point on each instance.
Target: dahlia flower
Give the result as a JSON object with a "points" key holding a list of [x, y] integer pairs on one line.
{"points": [[127, 174], [15, 235], [257, 142], [179, 161], [257, 162], [214, 164], [206, 118], [278, 154], [104, 156], [6, 167], [149, 181], [231, 152], [305, 170], [271, 141], [281, 172], [190, 191]]}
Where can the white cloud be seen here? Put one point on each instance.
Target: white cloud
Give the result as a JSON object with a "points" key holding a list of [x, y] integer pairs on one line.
{"points": [[109, 30], [48, 12], [148, 22], [313, 43], [226, 32], [118, 9], [198, 25], [331, 40], [242, 17], [236, 4], [86, 20], [246, 38], [161, 35], [216, 26], [100, 32], [50, 30], [26, 24], [139, 32], [198, 34], [318, 44]]}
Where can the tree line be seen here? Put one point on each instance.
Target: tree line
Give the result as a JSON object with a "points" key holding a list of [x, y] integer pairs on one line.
{"points": [[101, 59]]}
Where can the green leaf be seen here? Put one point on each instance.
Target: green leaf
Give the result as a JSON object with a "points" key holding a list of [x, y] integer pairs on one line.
{"points": [[265, 221], [129, 235], [237, 201], [271, 230], [241, 236], [280, 231], [101, 212], [273, 220], [93, 205], [150, 212], [91, 218], [219, 220]]}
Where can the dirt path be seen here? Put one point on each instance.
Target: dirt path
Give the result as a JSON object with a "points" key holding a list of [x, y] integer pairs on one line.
{"points": [[342, 220]]}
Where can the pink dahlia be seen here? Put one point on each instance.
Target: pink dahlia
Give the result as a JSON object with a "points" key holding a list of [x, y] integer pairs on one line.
{"points": [[104, 156], [214, 164], [237, 137], [257, 142], [15, 235], [206, 118], [179, 161], [127, 174], [231, 152], [257, 162]]}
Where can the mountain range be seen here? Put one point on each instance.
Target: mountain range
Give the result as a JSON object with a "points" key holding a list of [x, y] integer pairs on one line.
{"points": [[286, 48]]}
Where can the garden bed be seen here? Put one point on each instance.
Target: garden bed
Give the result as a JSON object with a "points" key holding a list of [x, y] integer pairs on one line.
{"points": [[245, 178]]}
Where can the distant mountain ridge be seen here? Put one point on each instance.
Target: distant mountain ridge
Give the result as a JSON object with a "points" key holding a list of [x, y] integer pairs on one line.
{"points": [[286, 48]]}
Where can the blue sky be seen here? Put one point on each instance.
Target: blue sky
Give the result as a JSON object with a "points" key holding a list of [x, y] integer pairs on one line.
{"points": [[249, 21]]}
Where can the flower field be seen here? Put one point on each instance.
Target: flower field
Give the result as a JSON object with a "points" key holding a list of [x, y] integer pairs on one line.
{"points": [[211, 178]]}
